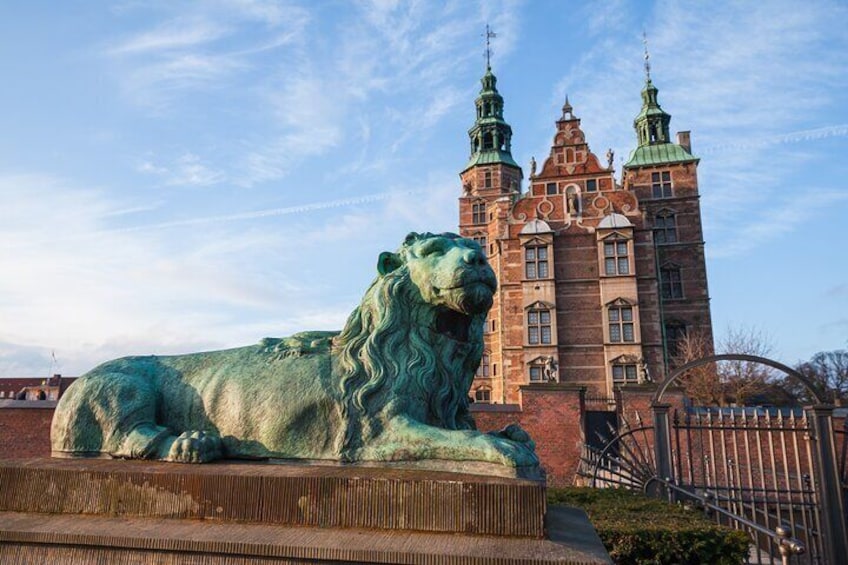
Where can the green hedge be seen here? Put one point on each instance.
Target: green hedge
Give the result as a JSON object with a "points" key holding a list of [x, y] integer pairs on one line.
{"points": [[639, 530]]}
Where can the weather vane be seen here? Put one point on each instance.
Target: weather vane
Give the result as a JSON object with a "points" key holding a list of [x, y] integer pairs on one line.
{"points": [[647, 55], [489, 35]]}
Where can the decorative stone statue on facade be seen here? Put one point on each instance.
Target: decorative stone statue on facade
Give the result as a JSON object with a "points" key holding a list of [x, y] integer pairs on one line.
{"points": [[551, 370], [392, 386]]}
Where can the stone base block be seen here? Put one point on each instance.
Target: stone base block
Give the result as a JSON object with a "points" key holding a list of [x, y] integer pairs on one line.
{"points": [[129, 512]]}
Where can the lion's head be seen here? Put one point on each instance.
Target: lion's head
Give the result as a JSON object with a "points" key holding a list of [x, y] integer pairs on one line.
{"points": [[413, 344]]}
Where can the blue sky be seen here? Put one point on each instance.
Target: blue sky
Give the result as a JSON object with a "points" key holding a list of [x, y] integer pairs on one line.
{"points": [[178, 176]]}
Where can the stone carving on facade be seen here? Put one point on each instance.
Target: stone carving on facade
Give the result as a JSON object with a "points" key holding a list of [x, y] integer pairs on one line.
{"points": [[391, 386], [551, 370]]}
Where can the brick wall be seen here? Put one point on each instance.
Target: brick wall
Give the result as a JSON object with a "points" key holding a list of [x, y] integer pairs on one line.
{"points": [[550, 413], [25, 428]]}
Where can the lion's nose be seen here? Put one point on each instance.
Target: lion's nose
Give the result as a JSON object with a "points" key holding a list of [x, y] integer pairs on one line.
{"points": [[474, 257]]}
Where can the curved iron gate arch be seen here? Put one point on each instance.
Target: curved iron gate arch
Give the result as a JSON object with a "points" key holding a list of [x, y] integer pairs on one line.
{"points": [[678, 372]]}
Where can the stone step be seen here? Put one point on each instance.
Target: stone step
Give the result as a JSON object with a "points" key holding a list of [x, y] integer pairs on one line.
{"points": [[389, 499], [30, 538]]}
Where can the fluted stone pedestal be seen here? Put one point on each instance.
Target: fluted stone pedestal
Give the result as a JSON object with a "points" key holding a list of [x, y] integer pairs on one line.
{"points": [[105, 511]]}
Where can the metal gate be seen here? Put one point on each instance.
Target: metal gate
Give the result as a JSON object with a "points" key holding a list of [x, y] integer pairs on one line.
{"points": [[775, 473]]}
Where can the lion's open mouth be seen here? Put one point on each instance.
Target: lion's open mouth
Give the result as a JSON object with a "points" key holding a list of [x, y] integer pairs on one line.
{"points": [[452, 324]]}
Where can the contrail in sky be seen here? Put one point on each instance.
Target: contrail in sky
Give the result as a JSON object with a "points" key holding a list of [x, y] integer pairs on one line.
{"points": [[365, 199], [792, 137]]}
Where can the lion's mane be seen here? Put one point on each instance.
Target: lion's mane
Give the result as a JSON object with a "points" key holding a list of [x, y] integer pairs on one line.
{"points": [[385, 331]]}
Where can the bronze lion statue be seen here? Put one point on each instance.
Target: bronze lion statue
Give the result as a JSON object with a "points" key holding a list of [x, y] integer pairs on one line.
{"points": [[391, 386]]}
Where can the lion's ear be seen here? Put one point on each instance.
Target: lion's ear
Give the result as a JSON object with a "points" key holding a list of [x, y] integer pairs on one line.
{"points": [[388, 262]]}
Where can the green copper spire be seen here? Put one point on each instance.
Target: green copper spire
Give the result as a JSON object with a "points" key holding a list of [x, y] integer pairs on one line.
{"points": [[652, 122], [490, 136], [652, 130]]}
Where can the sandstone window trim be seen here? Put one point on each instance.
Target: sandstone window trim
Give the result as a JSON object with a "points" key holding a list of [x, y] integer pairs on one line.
{"points": [[539, 323], [616, 251], [483, 369], [478, 212], [537, 264], [622, 323], [483, 395]]}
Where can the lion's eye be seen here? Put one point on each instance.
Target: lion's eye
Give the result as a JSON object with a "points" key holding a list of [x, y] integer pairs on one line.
{"points": [[432, 247]]}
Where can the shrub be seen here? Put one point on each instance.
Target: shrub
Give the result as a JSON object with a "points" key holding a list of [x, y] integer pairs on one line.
{"points": [[637, 530]]}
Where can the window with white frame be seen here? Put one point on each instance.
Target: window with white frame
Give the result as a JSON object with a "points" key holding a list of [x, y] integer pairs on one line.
{"points": [[661, 184], [478, 213], [482, 241], [625, 373], [483, 369], [537, 374], [621, 326], [536, 262], [483, 395], [539, 326], [487, 179], [616, 260]]}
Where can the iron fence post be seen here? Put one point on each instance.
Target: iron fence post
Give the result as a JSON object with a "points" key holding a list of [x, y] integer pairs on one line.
{"points": [[662, 444], [834, 531]]}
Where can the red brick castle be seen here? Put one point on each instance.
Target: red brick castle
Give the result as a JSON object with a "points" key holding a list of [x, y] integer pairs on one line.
{"points": [[599, 276]]}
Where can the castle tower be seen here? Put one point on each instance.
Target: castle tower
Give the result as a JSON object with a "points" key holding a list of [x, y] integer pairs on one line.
{"points": [[664, 177], [491, 182], [596, 280]]}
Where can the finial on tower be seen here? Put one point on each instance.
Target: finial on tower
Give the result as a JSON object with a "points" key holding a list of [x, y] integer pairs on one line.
{"points": [[488, 35], [567, 109], [647, 57]]}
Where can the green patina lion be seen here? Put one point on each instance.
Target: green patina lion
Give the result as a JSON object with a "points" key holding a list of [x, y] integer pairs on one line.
{"points": [[392, 386]]}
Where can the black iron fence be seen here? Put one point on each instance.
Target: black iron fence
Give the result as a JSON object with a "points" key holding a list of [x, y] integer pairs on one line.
{"points": [[781, 475]]}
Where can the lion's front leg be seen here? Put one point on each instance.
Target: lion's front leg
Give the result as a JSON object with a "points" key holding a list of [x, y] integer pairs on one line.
{"points": [[404, 439]]}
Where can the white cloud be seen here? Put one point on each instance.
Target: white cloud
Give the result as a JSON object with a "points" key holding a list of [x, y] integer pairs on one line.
{"points": [[186, 170], [179, 33]]}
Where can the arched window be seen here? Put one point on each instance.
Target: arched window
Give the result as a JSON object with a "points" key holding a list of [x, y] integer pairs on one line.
{"points": [[572, 201], [665, 227]]}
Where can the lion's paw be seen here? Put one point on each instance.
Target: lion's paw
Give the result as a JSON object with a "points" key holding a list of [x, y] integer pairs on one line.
{"points": [[195, 447], [516, 433], [515, 446]]}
